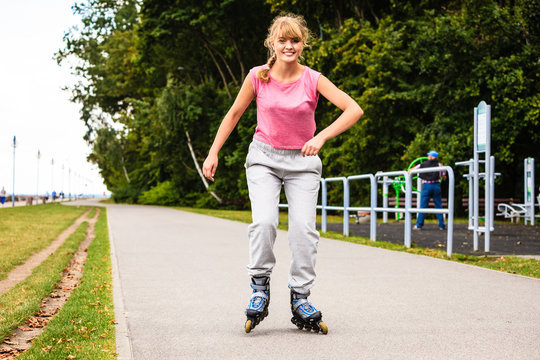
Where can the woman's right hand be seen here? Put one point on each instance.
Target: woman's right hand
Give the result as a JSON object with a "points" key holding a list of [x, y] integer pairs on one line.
{"points": [[210, 166]]}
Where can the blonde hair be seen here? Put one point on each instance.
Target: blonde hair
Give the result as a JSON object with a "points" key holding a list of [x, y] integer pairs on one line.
{"points": [[287, 25]]}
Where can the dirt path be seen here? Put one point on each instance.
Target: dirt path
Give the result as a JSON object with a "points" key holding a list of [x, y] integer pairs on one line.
{"points": [[21, 272], [22, 337]]}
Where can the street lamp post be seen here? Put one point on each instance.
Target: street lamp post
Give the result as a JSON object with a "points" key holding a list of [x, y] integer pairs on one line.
{"points": [[37, 177], [14, 146], [69, 182], [52, 175], [62, 189]]}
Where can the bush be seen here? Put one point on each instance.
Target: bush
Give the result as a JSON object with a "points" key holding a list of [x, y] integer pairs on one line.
{"points": [[125, 194], [164, 193]]}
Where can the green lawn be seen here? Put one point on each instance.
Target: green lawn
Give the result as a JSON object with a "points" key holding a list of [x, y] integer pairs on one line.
{"points": [[26, 230], [510, 264], [23, 300], [84, 327]]}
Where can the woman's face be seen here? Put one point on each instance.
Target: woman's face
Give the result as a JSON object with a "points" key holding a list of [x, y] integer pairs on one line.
{"points": [[287, 49]]}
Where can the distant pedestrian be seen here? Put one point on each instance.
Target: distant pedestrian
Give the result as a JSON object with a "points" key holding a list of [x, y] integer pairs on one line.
{"points": [[3, 196], [46, 196], [431, 188], [54, 195]]}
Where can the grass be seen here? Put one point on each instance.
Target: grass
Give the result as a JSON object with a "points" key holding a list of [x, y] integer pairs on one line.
{"points": [[24, 299], [26, 230], [107, 201], [510, 264], [245, 215], [84, 327]]}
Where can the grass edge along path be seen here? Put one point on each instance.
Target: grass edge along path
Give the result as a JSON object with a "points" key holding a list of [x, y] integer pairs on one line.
{"points": [[38, 226], [23, 300], [508, 264], [85, 326], [21, 272]]}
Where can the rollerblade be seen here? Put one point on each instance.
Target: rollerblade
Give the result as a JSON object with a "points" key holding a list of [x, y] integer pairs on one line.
{"points": [[257, 309], [306, 315]]}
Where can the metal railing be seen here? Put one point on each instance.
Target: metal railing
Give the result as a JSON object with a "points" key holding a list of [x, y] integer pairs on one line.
{"points": [[373, 208]]}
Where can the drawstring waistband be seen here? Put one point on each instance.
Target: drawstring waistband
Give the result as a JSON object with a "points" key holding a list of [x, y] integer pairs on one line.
{"points": [[269, 148]]}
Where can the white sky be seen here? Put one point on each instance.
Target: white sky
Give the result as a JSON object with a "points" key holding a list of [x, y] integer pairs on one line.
{"points": [[33, 106]]}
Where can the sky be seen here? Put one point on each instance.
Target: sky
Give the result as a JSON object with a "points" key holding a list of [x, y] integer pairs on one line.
{"points": [[35, 109]]}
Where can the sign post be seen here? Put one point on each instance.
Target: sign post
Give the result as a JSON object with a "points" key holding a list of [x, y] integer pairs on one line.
{"points": [[482, 144], [528, 194]]}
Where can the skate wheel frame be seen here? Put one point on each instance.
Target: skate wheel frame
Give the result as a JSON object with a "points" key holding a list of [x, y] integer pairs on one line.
{"points": [[316, 327]]}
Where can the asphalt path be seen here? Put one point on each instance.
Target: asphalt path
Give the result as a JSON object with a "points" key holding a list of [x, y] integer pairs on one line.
{"points": [[182, 287]]}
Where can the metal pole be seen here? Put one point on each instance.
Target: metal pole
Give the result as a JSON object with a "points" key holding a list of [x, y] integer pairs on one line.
{"points": [[373, 204], [487, 179], [475, 186], [419, 187], [471, 194], [532, 191], [69, 182], [324, 203], [528, 189], [63, 175], [52, 176], [450, 233], [346, 207], [525, 192], [37, 177], [492, 187], [408, 203], [13, 195], [385, 198]]}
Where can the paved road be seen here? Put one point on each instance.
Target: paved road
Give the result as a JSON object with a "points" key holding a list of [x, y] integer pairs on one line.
{"points": [[184, 290]]}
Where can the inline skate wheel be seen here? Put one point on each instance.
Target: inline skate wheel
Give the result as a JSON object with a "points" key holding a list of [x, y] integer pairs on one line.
{"points": [[323, 327], [248, 326]]}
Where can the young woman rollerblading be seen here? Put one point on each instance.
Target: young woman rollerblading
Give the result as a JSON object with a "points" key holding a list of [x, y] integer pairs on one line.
{"points": [[284, 153]]}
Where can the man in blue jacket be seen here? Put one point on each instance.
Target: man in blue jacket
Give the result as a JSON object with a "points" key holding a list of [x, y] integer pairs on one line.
{"points": [[431, 188]]}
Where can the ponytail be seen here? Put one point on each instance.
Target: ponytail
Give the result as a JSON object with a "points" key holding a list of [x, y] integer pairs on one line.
{"points": [[262, 73]]}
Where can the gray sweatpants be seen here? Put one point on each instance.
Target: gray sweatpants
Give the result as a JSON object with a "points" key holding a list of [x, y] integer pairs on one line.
{"points": [[267, 169]]}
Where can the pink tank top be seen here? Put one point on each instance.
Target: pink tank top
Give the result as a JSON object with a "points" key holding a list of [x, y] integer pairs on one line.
{"points": [[286, 111]]}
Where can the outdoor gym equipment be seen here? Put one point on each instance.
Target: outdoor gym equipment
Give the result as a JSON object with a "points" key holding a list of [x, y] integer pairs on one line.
{"points": [[398, 183], [528, 194], [470, 178], [525, 210], [482, 145]]}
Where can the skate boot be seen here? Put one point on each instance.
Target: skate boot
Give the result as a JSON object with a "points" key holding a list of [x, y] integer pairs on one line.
{"points": [[257, 309], [306, 315]]}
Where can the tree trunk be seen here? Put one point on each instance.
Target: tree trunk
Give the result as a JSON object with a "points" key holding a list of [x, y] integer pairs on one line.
{"points": [[239, 58], [199, 169], [227, 66], [219, 69], [125, 170]]}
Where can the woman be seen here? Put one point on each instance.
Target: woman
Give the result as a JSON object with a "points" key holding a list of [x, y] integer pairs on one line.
{"points": [[284, 151]]}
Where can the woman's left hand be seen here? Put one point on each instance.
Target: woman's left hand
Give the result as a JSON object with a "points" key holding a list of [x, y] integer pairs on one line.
{"points": [[312, 147]]}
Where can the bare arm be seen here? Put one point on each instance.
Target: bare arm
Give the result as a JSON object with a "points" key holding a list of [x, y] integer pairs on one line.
{"points": [[228, 124], [351, 113]]}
